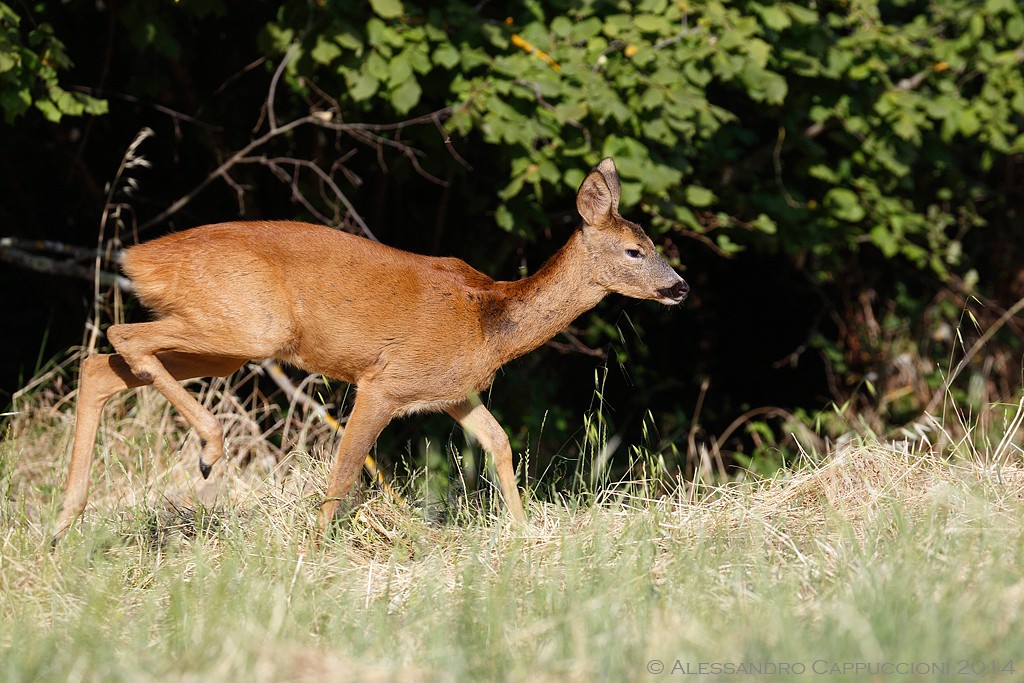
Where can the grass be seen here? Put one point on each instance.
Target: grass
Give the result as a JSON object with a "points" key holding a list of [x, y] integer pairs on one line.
{"points": [[876, 564]]}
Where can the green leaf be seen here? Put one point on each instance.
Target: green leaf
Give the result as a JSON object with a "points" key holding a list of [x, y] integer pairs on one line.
{"points": [[446, 55], [387, 9], [650, 23], [759, 51], [574, 177], [95, 106], [14, 103], [377, 66], [8, 60], [845, 204], [472, 57], [659, 131], [586, 29], [765, 224], [631, 192], [561, 26], [419, 57], [652, 98], [941, 107], [1015, 28], [279, 38], [616, 24], [9, 16], [905, 128], [325, 51], [66, 102], [49, 110], [997, 6], [349, 39], [400, 68], [968, 122], [883, 238], [696, 74], [363, 86], [504, 218], [571, 111], [699, 196], [515, 186], [661, 178], [802, 15], [406, 96], [775, 87], [727, 245], [823, 172], [774, 17]]}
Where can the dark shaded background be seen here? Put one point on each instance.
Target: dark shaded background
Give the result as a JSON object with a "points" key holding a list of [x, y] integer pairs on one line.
{"points": [[749, 329]]}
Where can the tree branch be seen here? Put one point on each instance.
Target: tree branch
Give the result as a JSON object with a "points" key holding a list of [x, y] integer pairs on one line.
{"points": [[20, 253], [365, 132]]}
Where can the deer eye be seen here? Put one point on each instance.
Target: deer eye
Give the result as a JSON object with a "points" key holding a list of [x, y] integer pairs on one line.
{"points": [[634, 253]]}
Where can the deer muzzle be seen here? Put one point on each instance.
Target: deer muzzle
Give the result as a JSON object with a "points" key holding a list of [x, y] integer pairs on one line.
{"points": [[675, 294]]}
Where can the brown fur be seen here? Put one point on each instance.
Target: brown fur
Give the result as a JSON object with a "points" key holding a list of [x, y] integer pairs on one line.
{"points": [[412, 332]]}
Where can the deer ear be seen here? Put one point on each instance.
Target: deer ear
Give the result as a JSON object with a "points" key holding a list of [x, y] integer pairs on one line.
{"points": [[598, 196]]}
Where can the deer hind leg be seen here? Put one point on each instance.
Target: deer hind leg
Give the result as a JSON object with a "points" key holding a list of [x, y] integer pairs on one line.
{"points": [[102, 376], [141, 344], [370, 415], [482, 426]]}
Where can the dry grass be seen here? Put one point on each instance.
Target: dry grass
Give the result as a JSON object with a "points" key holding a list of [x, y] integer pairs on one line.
{"points": [[876, 555]]}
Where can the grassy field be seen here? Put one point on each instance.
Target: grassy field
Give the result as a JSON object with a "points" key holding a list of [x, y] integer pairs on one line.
{"points": [[873, 564]]}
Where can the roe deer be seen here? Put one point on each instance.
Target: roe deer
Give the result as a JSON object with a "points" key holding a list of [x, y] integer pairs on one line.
{"points": [[414, 333]]}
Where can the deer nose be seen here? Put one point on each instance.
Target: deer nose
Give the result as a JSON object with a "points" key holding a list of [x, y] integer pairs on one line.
{"points": [[676, 292]]}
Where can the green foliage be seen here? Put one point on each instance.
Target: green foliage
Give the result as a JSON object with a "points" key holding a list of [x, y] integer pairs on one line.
{"points": [[29, 65], [868, 152], [815, 132]]}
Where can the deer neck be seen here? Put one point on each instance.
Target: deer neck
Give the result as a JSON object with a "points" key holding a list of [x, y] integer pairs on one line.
{"points": [[531, 311]]}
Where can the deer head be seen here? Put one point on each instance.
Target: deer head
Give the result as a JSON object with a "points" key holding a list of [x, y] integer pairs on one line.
{"points": [[622, 257]]}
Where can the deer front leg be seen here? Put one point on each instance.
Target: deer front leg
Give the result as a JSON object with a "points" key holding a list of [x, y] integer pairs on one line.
{"points": [[482, 426], [370, 415]]}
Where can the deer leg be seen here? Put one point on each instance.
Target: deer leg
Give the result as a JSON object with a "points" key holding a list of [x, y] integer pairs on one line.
{"points": [[370, 414], [482, 426], [140, 345], [102, 376]]}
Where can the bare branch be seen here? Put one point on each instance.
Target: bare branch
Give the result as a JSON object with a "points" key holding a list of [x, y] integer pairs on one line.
{"points": [[71, 250], [17, 252], [450, 147], [235, 76], [325, 178], [381, 137], [272, 91], [684, 31], [239, 189], [220, 171], [176, 115], [365, 132], [575, 346], [913, 82]]}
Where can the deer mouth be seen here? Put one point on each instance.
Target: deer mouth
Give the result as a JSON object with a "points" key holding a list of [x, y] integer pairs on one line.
{"points": [[675, 294]]}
